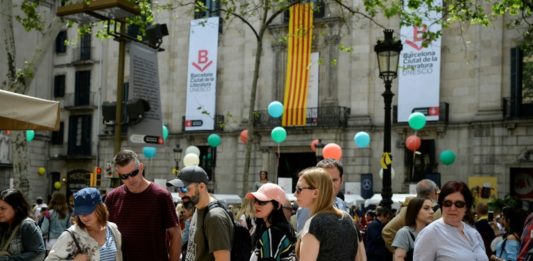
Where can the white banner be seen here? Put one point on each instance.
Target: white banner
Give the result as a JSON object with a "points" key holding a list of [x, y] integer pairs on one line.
{"points": [[419, 71], [312, 94], [202, 74]]}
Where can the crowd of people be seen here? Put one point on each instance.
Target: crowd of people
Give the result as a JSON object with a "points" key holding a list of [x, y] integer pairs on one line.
{"points": [[139, 221]]}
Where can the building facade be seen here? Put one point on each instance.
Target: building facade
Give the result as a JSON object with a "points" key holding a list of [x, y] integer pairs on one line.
{"points": [[485, 95]]}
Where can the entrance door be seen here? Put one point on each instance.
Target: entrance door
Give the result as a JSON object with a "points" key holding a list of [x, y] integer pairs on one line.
{"points": [[290, 164]]}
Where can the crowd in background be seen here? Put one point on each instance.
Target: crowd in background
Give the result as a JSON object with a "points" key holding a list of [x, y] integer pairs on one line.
{"points": [[139, 221]]}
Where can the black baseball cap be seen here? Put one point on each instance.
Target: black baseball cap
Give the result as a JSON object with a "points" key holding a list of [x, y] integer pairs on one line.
{"points": [[193, 174]]}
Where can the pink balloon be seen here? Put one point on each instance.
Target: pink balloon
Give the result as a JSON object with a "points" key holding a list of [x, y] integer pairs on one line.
{"points": [[244, 136], [313, 144], [332, 151], [413, 142]]}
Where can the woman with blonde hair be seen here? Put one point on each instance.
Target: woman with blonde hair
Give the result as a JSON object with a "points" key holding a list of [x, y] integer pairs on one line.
{"points": [[57, 219], [329, 234], [92, 237]]}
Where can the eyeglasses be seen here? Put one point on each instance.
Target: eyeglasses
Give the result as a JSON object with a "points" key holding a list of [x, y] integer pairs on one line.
{"points": [[131, 174], [458, 204], [299, 189], [261, 203]]}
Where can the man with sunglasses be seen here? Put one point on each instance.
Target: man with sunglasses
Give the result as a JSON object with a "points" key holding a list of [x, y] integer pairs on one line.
{"points": [[211, 229], [144, 213]]}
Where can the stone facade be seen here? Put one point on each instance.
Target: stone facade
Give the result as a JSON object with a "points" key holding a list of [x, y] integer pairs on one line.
{"points": [[475, 76]]}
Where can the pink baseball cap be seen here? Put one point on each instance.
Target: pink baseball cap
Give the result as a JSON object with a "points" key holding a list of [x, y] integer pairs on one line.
{"points": [[268, 192]]}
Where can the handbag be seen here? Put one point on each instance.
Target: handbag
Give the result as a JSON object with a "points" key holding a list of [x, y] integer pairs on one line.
{"points": [[3, 250]]}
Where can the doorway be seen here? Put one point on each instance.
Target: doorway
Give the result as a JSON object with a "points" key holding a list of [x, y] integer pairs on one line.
{"points": [[290, 164]]}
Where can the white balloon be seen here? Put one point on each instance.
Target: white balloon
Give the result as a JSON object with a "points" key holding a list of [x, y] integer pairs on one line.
{"points": [[191, 159], [192, 149], [392, 173]]}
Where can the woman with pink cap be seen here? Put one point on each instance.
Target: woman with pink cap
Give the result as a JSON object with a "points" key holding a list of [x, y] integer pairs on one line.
{"points": [[274, 237]]}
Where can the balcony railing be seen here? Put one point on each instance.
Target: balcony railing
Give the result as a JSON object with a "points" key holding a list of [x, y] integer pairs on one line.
{"points": [[332, 116], [73, 101]]}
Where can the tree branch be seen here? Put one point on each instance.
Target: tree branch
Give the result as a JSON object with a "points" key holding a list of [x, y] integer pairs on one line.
{"points": [[359, 13]]}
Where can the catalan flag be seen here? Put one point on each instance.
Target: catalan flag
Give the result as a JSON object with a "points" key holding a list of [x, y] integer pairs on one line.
{"points": [[298, 63]]}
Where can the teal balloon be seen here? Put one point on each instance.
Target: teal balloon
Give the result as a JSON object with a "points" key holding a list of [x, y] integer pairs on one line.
{"points": [[447, 157], [165, 133], [278, 134], [417, 120], [149, 152], [361, 139], [30, 135], [275, 109], [213, 140]]}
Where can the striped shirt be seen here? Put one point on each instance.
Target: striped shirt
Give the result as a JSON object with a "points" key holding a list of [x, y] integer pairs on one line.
{"points": [[108, 251]]}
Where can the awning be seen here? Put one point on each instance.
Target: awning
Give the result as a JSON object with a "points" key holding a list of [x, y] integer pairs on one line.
{"points": [[22, 112]]}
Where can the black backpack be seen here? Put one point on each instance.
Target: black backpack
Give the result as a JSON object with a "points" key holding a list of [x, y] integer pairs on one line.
{"points": [[241, 249]]}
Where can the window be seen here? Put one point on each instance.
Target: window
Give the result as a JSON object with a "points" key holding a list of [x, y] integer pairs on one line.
{"points": [[79, 136], [521, 103], [57, 136], [319, 9], [59, 86], [206, 8], [61, 46], [82, 94], [85, 47]]}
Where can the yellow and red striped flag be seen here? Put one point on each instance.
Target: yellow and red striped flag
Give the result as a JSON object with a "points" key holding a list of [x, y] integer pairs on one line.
{"points": [[298, 63]]}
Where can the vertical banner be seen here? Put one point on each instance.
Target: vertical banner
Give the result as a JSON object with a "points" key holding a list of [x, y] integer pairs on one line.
{"points": [[144, 84], [312, 94], [298, 61], [367, 186], [202, 74], [419, 69]]}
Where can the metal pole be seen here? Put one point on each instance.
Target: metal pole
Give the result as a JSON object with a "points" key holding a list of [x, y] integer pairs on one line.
{"points": [[120, 89], [386, 192]]}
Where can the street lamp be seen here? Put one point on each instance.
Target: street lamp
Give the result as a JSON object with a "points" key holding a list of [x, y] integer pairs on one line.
{"points": [[388, 52], [318, 152]]}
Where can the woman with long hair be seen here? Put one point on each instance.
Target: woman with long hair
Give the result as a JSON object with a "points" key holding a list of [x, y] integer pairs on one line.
{"points": [[449, 238], [91, 237], [274, 237], [513, 219], [57, 220], [418, 215], [329, 234], [20, 237]]}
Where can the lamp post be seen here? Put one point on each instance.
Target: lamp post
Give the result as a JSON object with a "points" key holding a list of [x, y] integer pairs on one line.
{"points": [[388, 52], [318, 152]]}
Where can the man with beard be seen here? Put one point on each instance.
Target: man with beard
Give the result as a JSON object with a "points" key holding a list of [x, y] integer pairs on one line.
{"points": [[211, 229], [144, 213], [188, 208]]}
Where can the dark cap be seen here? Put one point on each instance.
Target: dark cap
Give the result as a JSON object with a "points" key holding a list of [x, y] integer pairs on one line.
{"points": [[85, 201], [193, 174], [175, 183]]}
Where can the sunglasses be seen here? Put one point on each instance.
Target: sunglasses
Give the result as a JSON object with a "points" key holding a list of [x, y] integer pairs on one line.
{"points": [[183, 189], [261, 203], [300, 189], [127, 175], [458, 204]]}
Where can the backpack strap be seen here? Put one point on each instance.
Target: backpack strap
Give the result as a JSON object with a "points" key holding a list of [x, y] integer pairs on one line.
{"points": [[212, 205], [412, 236]]}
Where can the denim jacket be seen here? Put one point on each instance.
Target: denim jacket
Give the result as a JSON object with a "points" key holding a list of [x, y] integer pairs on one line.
{"points": [[27, 244]]}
